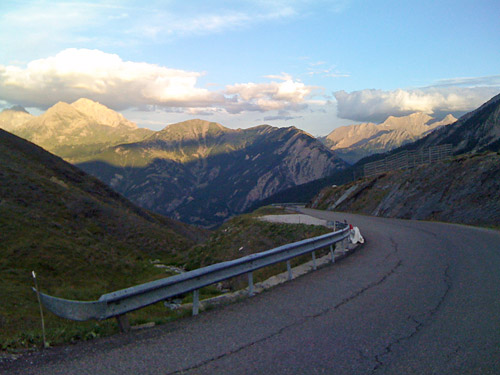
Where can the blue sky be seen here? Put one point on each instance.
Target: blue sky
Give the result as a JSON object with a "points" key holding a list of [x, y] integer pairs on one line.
{"points": [[312, 64]]}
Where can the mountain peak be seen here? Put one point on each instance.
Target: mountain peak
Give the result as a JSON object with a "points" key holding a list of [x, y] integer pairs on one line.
{"points": [[12, 119], [191, 129], [17, 108], [61, 108], [414, 120], [354, 142], [101, 114]]}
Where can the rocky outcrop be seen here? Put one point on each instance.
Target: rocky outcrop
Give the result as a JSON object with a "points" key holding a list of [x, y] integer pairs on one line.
{"points": [[354, 142], [463, 190]]}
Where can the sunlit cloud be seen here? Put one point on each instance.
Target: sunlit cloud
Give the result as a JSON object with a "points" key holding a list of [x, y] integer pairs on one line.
{"points": [[377, 105], [286, 93], [75, 73]]}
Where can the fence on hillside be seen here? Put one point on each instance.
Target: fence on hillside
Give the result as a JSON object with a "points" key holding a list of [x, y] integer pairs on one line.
{"points": [[408, 159]]}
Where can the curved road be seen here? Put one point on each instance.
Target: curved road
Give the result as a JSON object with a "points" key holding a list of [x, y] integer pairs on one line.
{"points": [[417, 298]]}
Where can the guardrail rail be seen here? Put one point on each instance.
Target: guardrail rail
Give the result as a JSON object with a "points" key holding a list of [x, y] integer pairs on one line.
{"points": [[117, 304]]}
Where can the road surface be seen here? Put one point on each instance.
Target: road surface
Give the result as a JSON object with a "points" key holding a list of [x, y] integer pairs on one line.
{"points": [[416, 298]]}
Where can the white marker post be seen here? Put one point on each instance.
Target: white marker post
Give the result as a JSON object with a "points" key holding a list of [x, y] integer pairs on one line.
{"points": [[45, 345]]}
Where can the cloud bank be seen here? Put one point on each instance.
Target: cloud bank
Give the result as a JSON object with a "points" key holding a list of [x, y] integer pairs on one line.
{"points": [[440, 100], [75, 73]]}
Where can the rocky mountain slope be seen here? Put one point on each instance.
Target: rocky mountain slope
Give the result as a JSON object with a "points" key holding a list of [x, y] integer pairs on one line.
{"points": [[353, 142], [76, 131], [13, 118], [476, 131], [80, 237], [202, 172], [196, 171], [465, 190]]}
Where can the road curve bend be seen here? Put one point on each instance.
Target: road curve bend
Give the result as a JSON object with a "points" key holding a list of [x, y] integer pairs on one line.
{"points": [[416, 298]]}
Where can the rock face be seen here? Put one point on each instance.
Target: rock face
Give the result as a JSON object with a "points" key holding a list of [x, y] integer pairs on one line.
{"points": [[464, 190], [202, 173], [353, 142], [75, 131]]}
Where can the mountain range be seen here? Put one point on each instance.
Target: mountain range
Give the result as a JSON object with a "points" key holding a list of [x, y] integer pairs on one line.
{"points": [[202, 173], [354, 142], [475, 132], [196, 171], [464, 189], [73, 131]]}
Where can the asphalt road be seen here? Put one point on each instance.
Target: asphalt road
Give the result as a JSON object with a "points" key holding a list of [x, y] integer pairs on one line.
{"points": [[417, 298]]}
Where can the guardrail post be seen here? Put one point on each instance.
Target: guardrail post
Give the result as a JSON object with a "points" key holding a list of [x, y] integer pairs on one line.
{"points": [[250, 284], [121, 302], [289, 269], [196, 302], [123, 323], [331, 253], [314, 260]]}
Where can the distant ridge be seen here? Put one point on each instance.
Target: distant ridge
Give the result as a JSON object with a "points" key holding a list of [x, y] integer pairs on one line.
{"points": [[13, 118], [196, 171], [202, 173], [353, 142], [475, 132], [75, 131]]}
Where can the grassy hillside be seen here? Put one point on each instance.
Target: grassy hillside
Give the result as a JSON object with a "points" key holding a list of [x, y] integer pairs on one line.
{"points": [[246, 234], [83, 240], [80, 237]]}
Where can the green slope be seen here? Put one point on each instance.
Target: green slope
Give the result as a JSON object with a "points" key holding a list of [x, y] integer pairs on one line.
{"points": [[81, 238]]}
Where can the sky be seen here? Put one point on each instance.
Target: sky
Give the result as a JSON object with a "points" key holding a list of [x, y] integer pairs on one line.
{"points": [[311, 64]]}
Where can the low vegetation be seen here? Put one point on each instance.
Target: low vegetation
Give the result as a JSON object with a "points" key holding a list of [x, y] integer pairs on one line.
{"points": [[84, 240], [247, 234], [81, 238]]}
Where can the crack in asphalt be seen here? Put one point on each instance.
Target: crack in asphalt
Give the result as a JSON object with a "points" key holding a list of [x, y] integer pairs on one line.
{"points": [[419, 324], [294, 324], [394, 246]]}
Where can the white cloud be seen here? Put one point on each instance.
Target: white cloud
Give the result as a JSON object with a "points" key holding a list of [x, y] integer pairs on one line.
{"points": [[75, 73], [331, 72], [377, 105], [288, 94]]}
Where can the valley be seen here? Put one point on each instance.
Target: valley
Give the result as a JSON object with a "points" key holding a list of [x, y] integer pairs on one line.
{"points": [[196, 171], [83, 239]]}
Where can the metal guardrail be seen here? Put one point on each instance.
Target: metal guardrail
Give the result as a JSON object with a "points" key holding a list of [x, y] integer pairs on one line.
{"points": [[118, 303], [408, 159]]}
